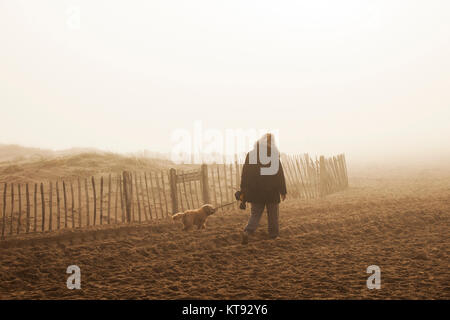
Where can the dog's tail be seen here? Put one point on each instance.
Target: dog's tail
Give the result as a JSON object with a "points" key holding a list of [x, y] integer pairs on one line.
{"points": [[178, 216]]}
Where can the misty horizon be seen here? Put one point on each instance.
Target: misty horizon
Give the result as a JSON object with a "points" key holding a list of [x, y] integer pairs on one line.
{"points": [[124, 78]]}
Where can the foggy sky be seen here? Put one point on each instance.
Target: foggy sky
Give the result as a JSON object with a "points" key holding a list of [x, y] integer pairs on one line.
{"points": [[368, 78]]}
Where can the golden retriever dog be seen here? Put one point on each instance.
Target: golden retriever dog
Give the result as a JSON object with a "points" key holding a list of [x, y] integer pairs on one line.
{"points": [[196, 217]]}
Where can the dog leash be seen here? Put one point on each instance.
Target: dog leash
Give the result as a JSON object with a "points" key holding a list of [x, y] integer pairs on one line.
{"points": [[224, 205]]}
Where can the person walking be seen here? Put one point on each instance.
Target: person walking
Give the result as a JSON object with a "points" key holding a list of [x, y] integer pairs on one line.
{"points": [[263, 185]]}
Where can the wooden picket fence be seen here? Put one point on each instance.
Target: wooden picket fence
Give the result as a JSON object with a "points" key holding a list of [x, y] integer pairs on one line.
{"points": [[136, 197]]}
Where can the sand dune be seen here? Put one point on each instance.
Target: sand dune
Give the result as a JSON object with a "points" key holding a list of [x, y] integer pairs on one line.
{"points": [[65, 165]]}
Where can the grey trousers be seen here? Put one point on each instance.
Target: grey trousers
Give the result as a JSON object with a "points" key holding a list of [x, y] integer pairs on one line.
{"points": [[272, 218]]}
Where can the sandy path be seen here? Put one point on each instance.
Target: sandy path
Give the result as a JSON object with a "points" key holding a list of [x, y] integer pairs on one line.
{"points": [[323, 252]]}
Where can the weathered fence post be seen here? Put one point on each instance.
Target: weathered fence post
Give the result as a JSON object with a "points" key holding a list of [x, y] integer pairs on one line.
{"points": [[205, 184], [226, 179], [196, 194], [4, 210], [130, 194], [164, 193], [152, 189], [142, 197], [317, 177], [173, 189], [159, 194], [50, 208], [127, 194], [148, 196], [190, 192], [137, 197], [231, 182], [117, 198], [214, 188], [35, 207], [87, 201], [323, 177], [236, 165], [20, 208], [95, 200], [28, 209], [43, 207], [289, 180], [101, 200], [295, 178], [58, 207], [121, 199], [65, 204], [79, 203], [185, 192], [180, 197], [12, 209], [109, 198], [73, 205], [345, 170], [220, 187], [309, 174]]}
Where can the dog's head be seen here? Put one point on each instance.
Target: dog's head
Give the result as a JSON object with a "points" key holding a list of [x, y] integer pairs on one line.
{"points": [[209, 209]]}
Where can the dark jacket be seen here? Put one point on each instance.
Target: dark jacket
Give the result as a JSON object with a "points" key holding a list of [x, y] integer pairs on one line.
{"points": [[259, 188]]}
